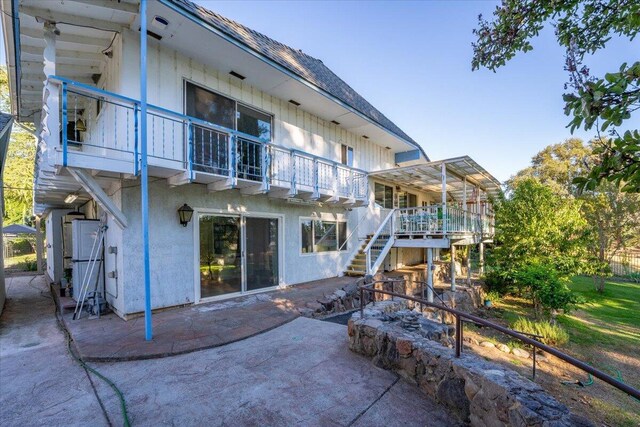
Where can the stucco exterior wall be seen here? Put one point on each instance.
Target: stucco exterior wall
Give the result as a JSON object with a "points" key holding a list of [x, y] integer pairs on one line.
{"points": [[173, 247], [292, 126]]}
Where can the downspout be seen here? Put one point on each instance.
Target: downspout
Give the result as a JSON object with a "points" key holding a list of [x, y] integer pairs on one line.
{"points": [[16, 50], [145, 171]]}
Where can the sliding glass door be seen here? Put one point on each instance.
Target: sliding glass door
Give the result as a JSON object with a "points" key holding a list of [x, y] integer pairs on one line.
{"points": [[238, 254], [220, 255]]}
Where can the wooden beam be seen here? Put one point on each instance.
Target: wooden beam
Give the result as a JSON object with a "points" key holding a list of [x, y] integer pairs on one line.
{"points": [[109, 4], [68, 38], [62, 18], [86, 70], [93, 188], [64, 53]]}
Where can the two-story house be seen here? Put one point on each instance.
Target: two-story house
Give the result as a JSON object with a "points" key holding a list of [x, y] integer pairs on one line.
{"points": [[265, 168]]}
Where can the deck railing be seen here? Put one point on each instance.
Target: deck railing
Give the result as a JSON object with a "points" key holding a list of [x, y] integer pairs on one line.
{"points": [[438, 220], [98, 123]]}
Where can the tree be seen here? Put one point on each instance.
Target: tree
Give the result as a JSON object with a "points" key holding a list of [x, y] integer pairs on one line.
{"points": [[534, 224], [18, 171], [613, 216], [582, 27]]}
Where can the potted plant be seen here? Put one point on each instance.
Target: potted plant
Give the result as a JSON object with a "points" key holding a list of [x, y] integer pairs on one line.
{"points": [[490, 297]]}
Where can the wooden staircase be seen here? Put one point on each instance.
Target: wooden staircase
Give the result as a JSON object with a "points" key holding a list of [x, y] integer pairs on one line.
{"points": [[358, 265]]}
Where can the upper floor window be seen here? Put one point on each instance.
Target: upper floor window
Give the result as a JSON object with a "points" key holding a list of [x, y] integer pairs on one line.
{"points": [[223, 111], [384, 195], [346, 157]]}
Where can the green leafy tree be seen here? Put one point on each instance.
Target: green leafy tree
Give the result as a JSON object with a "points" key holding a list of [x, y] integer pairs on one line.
{"points": [[613, 216], [18, 171], [536, 224], [582, 27]]}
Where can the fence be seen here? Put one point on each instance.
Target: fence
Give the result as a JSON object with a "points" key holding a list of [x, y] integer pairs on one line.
{"points": [[624, 263]]}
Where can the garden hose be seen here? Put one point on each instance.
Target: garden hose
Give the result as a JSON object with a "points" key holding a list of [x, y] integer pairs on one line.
{"points": [[123, 403], [579, 383]]}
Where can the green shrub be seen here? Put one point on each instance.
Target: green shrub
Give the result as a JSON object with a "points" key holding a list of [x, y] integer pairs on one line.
{"points": [[547, 289], [492, 296], [28, 264], [634, 277], [551, 333], [21, 246], [499, 281]]}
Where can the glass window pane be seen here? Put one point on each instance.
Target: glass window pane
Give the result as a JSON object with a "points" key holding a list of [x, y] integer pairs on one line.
{"points": [[342, 235], [402, 200], [254, 122], [325, 236], [388, 197], [209, 106], [413, 200], [306, 233], [350, 156], [379, 193]]}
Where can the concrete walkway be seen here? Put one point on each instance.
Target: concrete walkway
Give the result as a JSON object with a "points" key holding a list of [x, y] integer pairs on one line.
{"points": [[300, 373], [40, 384]]}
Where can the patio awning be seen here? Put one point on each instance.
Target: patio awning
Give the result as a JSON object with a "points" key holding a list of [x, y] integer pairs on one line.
{"points": [[428, 177], [18, 229]]}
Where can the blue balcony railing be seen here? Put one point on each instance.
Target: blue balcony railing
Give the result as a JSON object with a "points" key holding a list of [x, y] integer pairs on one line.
{"points": [[98, 123]]}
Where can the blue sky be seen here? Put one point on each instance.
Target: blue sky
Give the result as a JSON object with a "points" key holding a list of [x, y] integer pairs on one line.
{"points": [[412, 60]]}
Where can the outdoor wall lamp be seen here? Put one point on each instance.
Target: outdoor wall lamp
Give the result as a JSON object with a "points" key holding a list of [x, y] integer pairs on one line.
{"points": [[81, 126], [185, 212]]}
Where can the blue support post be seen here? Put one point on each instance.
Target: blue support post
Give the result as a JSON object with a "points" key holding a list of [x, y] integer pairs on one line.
{"points": [[144, 170], [136, 169], [190, 148], [64, 124]]}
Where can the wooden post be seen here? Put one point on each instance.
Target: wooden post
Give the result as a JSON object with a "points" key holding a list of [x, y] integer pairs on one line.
{"points": [[453, 267], [50, 118], [468, 265], [481, 258], [464, 202], [443, 172], [39, 246], [430, 274]]}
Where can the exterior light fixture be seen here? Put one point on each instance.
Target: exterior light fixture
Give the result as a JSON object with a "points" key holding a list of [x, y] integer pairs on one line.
{"points": [[159, 22], [81, 126], [71, 198], [185, 212]]}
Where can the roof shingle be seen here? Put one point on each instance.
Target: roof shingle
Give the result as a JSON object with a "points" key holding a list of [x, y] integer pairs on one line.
{"points": [[307, 67]]}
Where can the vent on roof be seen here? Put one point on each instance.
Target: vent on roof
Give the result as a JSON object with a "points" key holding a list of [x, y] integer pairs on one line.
{"points": [[238, 75], [296, 103], [334, 122], [159, 22], [365, 136]]}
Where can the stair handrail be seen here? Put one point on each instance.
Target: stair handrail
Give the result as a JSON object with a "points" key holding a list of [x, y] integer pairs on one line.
{"points": [[379, 230], [369, 267], [360, 221]]}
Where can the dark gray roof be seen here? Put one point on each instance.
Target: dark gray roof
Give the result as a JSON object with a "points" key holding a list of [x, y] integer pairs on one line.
{"points": [[310, 69]]}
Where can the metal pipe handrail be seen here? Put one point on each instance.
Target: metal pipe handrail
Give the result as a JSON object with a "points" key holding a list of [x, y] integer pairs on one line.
{"points": [[459, 315]]}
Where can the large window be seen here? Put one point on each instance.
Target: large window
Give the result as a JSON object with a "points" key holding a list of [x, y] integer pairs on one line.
{"points": [[223, 111], [322, 236], [384, 195]]}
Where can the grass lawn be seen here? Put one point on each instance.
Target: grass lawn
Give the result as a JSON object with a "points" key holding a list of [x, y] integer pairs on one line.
{"points": [[604, 331], [14, 261]]}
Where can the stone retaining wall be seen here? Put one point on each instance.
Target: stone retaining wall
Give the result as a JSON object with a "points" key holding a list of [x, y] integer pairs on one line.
{"points": [[478, 392]]}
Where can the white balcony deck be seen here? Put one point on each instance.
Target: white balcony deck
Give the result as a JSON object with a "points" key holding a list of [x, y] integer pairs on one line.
{"points": [[99, 131]]}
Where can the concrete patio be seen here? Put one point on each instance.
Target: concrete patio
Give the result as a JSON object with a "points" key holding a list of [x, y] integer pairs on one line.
{"points": [[194, 327], [298, 373]]}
